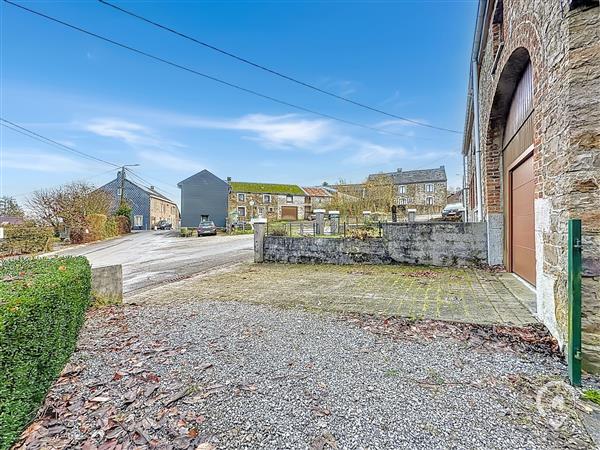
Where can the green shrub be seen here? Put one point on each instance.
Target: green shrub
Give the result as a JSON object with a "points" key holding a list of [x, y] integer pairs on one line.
{"points": [[186, 232], [124, 210], [123, 224], [25, 239], [42, 307], [111, 228], [96, 225]]}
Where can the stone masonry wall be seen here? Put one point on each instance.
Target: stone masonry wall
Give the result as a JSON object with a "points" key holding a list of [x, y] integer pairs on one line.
{"points": [[563, 45], [438, 244]]}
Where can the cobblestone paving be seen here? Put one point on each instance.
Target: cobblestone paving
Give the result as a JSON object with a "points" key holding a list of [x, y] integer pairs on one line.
{"points": [[454, 294]]}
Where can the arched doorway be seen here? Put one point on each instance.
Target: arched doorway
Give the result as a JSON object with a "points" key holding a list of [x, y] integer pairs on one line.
{"points": [[509, 169], [519, 180]]}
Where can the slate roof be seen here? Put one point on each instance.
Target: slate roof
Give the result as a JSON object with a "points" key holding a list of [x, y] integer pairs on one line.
{"points": [[265, 188], [316, 191], [414, 176], [152, 192]]}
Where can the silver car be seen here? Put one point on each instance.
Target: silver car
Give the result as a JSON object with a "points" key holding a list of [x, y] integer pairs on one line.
{"points": [[207, 228]]}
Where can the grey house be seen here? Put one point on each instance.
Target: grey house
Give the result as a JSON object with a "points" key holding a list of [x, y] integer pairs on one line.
{"points": [[203, 197], [148, 206]]}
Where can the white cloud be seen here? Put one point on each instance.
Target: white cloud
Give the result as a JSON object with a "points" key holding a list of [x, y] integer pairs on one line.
{"points": [[40, 162], [129, 132], [285, 131], [170, 161], [368, 153]]}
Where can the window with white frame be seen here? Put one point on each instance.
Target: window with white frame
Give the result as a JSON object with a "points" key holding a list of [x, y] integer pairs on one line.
{"points": [[241, 211], [267, 198], [404, 201], [401, 189], [429, 200], [241, 197], [138, 221], [429, 188], [119, 191], [289, 198]]}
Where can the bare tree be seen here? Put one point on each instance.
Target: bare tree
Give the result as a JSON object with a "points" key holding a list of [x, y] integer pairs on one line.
{"points": [[69, 204]]}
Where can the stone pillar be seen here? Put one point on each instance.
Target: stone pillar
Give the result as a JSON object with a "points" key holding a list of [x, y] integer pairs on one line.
{"points": [[495, 239], [411, 215], [320, 219], [260, 229], [107, 285], [335, 221]]}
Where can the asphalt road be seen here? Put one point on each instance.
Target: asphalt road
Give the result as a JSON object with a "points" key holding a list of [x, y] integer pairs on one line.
{"points": [[150, 258]]}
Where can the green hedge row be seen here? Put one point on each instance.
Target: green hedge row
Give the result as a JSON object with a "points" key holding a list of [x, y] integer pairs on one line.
{"points": [[42, 307], [24, 239]]}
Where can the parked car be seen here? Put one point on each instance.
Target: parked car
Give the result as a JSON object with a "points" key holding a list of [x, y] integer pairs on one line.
{"points": [[453, 209], [207, 228], [164, 225]]}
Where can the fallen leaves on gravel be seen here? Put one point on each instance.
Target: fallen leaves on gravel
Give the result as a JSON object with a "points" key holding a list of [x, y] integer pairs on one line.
{"points": [[530, 338], [133, 407]]}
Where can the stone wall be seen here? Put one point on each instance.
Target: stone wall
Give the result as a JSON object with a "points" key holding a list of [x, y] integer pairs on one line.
{"points": [[438, 244], [562, 42]]}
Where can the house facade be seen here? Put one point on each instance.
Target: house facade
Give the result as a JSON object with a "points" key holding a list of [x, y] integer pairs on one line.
{"points": [[316, 198], [203, 197], [148, 206], [424, 190], [532, 148], [268, 200]]}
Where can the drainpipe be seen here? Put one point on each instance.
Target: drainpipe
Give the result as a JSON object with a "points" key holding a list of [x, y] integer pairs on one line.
{"points": [[481, 13]]}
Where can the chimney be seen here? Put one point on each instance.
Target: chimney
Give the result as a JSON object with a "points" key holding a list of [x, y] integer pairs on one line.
{"points": [[441, 167], [229, 179], [399, 169], [151, 188]]}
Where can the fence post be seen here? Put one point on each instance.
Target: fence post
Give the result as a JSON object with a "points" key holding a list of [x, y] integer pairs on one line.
{"points": [[260, 226], [335, 221], [320, 220], [574, 290]]}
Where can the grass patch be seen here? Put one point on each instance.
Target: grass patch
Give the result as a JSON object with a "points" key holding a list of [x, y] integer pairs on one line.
{"points": [[265, 188], [591, 395]]}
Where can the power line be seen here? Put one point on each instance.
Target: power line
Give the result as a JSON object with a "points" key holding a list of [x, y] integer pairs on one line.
{"points": [[275, 72], [38, 137], [87, 179], [143, 180], [209, 77]]}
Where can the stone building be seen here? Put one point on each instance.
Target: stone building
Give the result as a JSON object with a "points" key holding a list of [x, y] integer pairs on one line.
{"points": [[317, 197], [532, 148], [425, 190], [268, 200]]}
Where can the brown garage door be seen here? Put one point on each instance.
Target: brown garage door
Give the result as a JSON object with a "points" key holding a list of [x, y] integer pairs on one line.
{"points": [[522, 220], [289, 212]]}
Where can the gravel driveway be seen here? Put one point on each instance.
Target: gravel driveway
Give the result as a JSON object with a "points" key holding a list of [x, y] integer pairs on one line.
{"points": [[205, 375]]}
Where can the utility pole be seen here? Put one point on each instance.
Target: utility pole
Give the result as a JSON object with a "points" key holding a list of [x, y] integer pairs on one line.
{"points": [[123, 181]]}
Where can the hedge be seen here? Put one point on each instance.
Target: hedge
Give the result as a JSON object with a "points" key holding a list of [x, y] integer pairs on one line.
{"points": [[24, 239], [42, 307]]}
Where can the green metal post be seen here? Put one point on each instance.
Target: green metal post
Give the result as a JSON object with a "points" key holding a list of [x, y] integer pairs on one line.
{"points": [[574, 288]]}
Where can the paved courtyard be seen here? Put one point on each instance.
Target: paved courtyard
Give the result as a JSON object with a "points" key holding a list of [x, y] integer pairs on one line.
{"points": [[255, 356], [452, 294]]}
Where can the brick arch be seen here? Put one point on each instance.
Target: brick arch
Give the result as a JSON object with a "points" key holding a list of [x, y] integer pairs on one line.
{"points": [[522, 46]]}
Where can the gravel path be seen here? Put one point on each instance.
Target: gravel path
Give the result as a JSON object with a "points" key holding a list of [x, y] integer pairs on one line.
{"points": [[206, 375]]}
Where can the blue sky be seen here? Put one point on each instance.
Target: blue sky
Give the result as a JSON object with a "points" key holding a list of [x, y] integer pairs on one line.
{"points": [[407, 57]]}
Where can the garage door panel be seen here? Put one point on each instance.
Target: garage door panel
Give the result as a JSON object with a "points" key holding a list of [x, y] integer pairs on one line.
{"points": [[522, 219], [289, 212]]}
